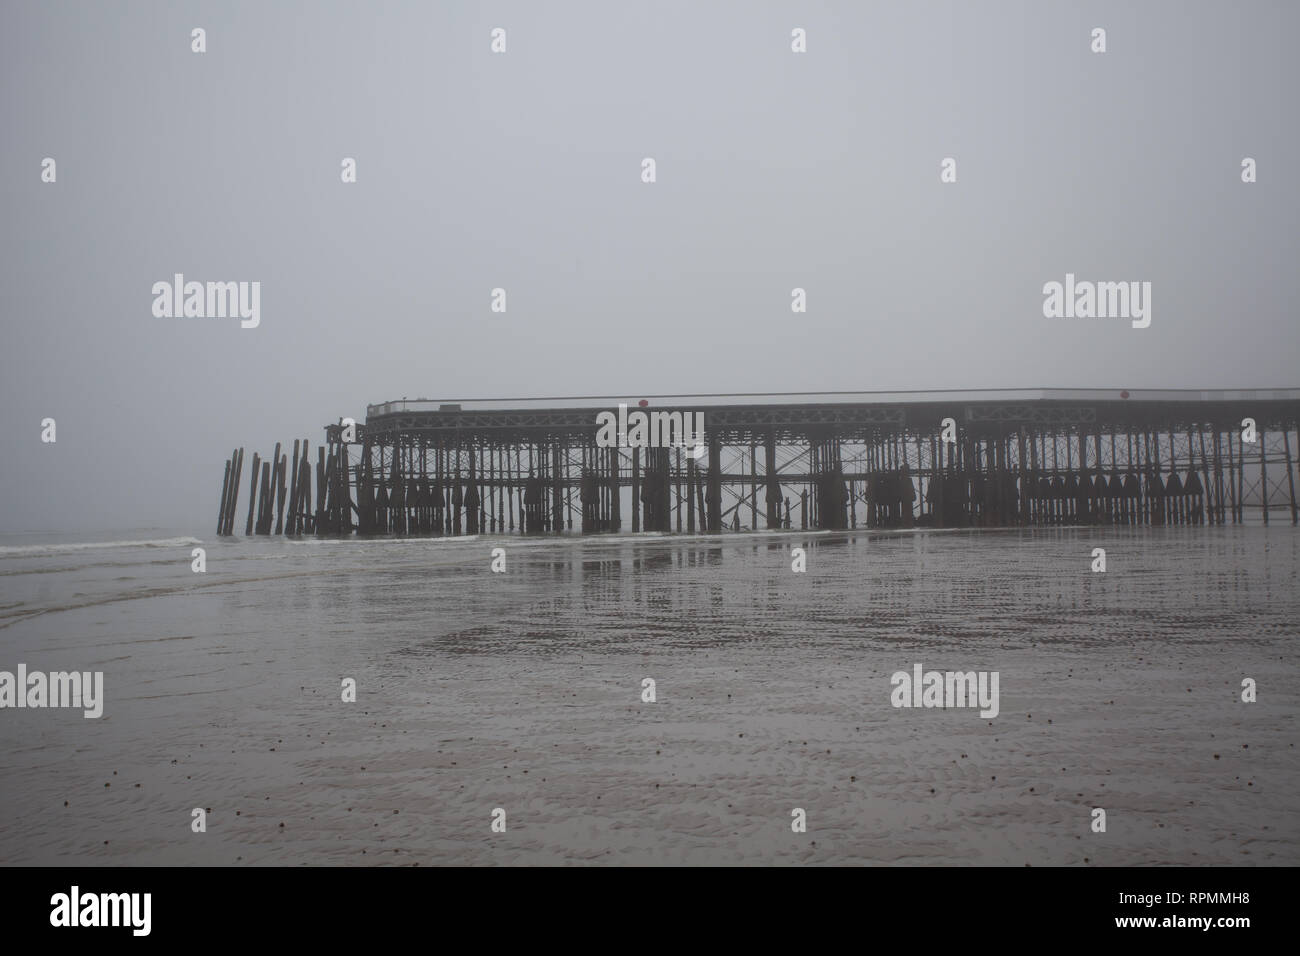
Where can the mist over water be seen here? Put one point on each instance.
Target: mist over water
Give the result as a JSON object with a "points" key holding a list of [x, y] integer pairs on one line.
{"points": [[522, 690]]}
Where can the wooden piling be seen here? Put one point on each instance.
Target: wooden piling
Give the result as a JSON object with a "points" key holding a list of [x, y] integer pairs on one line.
{"points": [[252, 494], [264, 501], [282, 465], [1232, 481], [714, 480], [225, 499], [1290, 477], [1241, 478], [320, 520], [236, 478], [1263, 475]]}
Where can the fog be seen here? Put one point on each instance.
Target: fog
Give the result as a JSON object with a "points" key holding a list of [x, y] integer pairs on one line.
{"points": [[523, 171]]}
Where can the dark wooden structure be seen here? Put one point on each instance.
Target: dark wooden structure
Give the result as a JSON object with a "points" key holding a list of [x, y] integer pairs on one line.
{"points": [[1015, 458]]}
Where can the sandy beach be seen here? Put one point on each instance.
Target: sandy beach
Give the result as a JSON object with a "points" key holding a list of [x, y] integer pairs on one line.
{"points": [[522, 691]]}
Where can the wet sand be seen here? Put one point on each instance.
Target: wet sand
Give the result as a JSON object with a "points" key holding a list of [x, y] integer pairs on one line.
{"points": [[522, 691]]}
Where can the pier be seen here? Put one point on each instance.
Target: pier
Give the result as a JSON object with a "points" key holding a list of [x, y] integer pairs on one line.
{"points": [[1016, 457]]}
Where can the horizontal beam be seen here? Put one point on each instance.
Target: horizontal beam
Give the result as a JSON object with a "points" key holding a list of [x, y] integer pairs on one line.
{"points": [[844, 420]]}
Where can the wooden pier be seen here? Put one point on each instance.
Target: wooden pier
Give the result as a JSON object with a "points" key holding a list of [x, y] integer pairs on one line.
{"points": [[1025, 457]]}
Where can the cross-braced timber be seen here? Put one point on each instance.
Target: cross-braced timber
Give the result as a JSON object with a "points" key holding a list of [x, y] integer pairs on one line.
{"points": [[1012, 458]]}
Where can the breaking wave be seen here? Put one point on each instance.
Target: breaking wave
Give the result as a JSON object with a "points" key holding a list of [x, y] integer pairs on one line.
{"points": [[42, 550]]}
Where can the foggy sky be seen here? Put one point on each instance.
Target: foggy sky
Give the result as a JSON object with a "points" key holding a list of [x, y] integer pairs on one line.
{"points": [[522, 171]]}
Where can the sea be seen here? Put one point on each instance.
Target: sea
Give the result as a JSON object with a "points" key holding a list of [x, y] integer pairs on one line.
{"points": [[656, 699]]}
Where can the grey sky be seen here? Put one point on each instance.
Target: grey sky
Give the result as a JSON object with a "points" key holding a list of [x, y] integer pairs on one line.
{"points": [[522, 170]]}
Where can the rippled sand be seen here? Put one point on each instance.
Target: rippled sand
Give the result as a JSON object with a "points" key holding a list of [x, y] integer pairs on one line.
{"points": [[522, 691]]}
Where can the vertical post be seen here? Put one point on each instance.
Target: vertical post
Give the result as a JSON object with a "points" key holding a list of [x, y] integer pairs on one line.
{"points": [[345, 491], [1114, 503], [499, 482], [277, 483], [692, 480], [814, 470], [236, 477], [1099, 480], [497, 487], [290, 528], [232, 492], [615, 490], [510, 472], [636, 491], [305, 525], [773, 482], [1218, 475], [320, 490], [471, 499], [329, 500], [1024, 475], [1163, 503], [1207, 506], [714, 497], [1232, 481], [264, 509], [921, 487], [225, 498], [1263, 475], [678, 487], [853, 505], [252, 494], [1290, 478], [1195, 510], [1241, 479], [523, 486], [557, 493], [699, 501], [1032, 491], [967, 474], [457, 490]]}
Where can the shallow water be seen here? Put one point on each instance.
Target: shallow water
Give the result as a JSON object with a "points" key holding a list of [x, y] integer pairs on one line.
{"points": [[522, 691]]}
